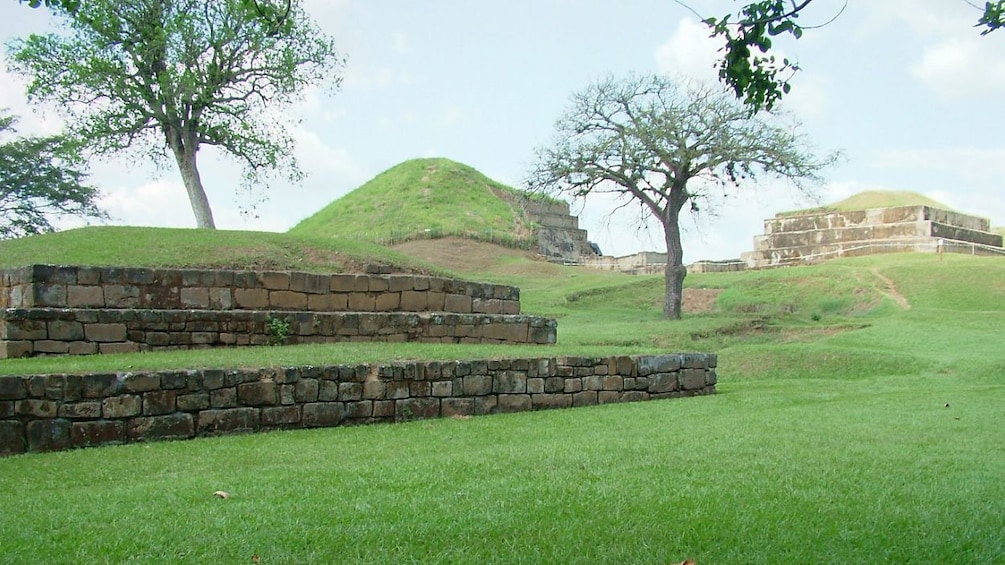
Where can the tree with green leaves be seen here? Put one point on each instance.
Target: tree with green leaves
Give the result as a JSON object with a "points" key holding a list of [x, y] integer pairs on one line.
{"points": [[40, 178], [169, 76], [663, 145], [759, 78]]}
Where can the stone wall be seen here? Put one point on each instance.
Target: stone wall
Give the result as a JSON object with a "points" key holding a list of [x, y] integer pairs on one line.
{"points": [[55, 310], [815, 237], [56, 412]]}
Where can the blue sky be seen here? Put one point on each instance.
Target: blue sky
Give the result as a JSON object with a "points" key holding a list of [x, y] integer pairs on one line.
{"points": [[907, 89]]}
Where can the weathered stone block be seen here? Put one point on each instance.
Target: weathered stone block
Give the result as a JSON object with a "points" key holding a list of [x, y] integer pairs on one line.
{"points": [[287, 300], [100, 385], [514, 402], [90, 410], [477, 385], [12, 439], [197, 297], [6, 409], [173, 426], [103, 432], [123, 406], [350, 391], [608, 396], [540, 401], [359, 410], [121, 296], [459, 303], [48, 435], [105, 332], [159, 402], [383, 409], [647, 365], [261, 393], [109, 348], [232, 420], [396, 390], [414, 408], [139, 382], [634, 396], [457, 407], [273, 280], [328, 391], [414, 301], [280, 415], [223, 397], [692, 379], [323, 414], [36, 408], [251, 298], [14, 349], [510, 382], [662, 382], [584, 398], [613, 382], [486, 404], [306, 390], [65, 330], [442, 389], [192, 402], [12, 388]]}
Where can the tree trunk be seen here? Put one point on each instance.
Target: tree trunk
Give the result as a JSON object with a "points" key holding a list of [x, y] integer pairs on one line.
{"points": [[184, 154], [675, 271]]}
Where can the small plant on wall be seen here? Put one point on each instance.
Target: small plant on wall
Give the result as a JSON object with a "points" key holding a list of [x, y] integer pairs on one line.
{"points": [[278, 330]]}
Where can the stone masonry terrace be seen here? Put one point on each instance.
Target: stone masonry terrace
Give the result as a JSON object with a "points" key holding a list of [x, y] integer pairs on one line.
{"points": [[50, 309]]}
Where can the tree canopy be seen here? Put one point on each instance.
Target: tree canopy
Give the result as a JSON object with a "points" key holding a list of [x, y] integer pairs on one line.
{"points": [[168, 76], [40, 178], [759, 78], [661, 144]]}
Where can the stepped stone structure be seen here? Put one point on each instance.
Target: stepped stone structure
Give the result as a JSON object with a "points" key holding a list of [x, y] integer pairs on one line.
{"points": [[559, 237], [53, 310], [789, 239]]}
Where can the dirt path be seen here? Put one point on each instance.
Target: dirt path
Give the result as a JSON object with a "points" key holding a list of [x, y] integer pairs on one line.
{"points": [[891, 290]]}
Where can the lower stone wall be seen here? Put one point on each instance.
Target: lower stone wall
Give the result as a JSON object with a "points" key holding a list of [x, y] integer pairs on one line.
{"points": [[62, 331], [56, 412]]}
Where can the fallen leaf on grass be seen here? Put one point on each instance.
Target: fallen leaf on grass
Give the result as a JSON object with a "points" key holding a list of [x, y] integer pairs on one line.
{"points": [[221, 494], [256, 559], [685, 562], [461, 417]]}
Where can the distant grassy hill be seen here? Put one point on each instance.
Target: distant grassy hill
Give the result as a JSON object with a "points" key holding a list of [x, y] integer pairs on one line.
{"points": [[873, 199], [423, 198], [119, 246]]}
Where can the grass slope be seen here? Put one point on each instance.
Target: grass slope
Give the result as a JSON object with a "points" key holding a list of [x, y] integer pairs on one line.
{"points": [[116, 246], [873, 199], [422, 198], [858, 420]]}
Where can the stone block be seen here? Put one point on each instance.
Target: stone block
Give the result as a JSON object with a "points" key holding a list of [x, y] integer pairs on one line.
{"points": [[251, 298], [374, 390], [139, 382], [362, 302], [459, 303], [323, 414], [273, 280], [36, 408], [477, 385], [65, 330], [13, 388], [223, 397], [49, 295], [287, 300], [261, 393], [123, 406], [327, 391], [121, 296], [306, 390], [383, 409], [613, 383], [396, 390], [49, 347], [514, 402], [327, 302], [105, 332], [535, 385], [126, 347], [662, 382], [232, 420], [172, 426], [486, 405], [14, 349], [692, 379], [388, 302], [541, 401], [195, 297], [192, 402], [442, 389], [511, 382], [12, 439], [417, 408], [6, 409], [608, 396], [159, 402], [280, 416], [414, 301], [350, 391], [100, 385], [648, 365], [584, 398], [48, 435], [457, 407], [342, 283], [88, 410], [634, 396], [359, 410], [310, 283], [103, 432]]}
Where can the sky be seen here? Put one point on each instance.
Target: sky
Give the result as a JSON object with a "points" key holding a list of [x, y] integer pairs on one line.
{"points": [[907, 90]]}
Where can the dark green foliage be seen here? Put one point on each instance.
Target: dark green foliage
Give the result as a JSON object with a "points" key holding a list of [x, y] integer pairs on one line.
{"points": [[40, 177]]}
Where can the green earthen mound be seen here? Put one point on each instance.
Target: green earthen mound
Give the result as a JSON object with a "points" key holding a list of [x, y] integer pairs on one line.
{"points": [[873, 199], [420, 199]]}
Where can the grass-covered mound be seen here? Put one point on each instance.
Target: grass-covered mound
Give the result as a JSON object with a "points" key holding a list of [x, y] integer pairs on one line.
{"points": [[424, 198], [873, 199], [118, 246]]}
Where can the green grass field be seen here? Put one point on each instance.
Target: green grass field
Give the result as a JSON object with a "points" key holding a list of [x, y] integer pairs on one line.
{"points": [[848, 428]]}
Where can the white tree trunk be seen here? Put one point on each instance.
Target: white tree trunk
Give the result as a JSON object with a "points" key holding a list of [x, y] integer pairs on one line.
{"points": [[674, 272], [184, 154]]}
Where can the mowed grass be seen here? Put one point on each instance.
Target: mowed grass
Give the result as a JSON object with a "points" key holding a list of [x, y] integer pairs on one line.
{"points": [[847, 428]]}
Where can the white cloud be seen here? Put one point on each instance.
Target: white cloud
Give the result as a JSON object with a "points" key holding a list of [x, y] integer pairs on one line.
{"points": [[963, 67], [689, 51]]}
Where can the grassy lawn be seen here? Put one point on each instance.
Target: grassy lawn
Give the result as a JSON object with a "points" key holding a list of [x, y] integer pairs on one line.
{"points": [[847, 429]]}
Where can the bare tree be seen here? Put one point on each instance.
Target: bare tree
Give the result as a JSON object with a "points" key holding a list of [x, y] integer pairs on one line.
{"points": [[664, 144]]}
